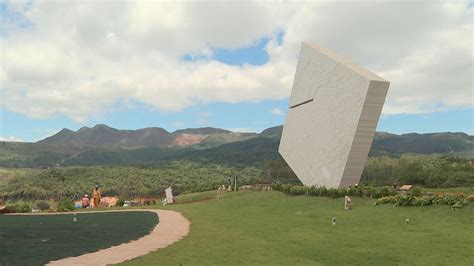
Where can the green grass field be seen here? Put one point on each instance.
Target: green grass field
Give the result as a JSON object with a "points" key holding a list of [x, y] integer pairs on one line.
{"points": [[37, 239], [273, 228]]}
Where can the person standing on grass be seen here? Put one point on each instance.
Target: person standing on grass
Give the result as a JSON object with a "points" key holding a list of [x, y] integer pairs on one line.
{"points": [[96, 196], [347, 203]]}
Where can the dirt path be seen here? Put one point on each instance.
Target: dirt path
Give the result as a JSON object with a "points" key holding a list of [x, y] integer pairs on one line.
{"points": [[172, 227]]}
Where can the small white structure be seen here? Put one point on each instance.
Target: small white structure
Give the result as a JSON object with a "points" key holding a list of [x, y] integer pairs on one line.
{"points": [[333, 112], [169, 195]]}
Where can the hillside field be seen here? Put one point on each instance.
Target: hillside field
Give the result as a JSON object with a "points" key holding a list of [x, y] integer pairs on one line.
{"points": [[272, 228]]}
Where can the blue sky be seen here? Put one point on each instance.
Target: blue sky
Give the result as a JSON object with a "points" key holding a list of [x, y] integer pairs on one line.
{"points": [[242, 117], [236, 77]]}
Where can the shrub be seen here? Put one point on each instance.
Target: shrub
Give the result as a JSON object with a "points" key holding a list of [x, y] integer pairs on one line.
{"points": [[407, 200], [323, 191], [380, 192], [425, 201], [470, 198], [415, 191], [286, 188], [297, 190], [120, 203], [313, 191], [43, 205], [353, 192], [384, 195], [65, 205], [367, 191], [333, 193], [457, 200], [276, 187], [385, 200], [18, 207], [446, 199], [461, 203]]}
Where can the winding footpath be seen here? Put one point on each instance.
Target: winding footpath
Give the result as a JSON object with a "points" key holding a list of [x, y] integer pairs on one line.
{"points": [[172, 227]]}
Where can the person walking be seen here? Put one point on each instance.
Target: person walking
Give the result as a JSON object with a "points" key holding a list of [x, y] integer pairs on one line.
{"points": [[96, 196]]}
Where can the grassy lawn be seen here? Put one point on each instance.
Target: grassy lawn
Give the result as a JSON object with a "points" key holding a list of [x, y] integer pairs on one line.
{"points": [[37, 239], [273, 228], [196, 197]]}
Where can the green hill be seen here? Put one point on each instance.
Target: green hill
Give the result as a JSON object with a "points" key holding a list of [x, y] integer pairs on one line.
{"points": [[442, 143], [104, 136], [102, 145]]}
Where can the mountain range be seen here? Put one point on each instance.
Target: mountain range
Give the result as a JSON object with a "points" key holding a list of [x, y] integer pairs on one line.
{"points": [[103, 145], [105, 136]]}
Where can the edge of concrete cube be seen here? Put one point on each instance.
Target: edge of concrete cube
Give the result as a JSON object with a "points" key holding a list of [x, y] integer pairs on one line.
{"points": [[367, 119]]}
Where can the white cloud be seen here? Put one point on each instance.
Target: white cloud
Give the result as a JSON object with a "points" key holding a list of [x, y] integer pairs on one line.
{"points": [[278, 111], [78, 59], [10, 139]]}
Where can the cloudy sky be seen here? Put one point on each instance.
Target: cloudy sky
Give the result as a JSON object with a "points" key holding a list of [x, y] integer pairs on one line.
{"points": [[230, 65]]}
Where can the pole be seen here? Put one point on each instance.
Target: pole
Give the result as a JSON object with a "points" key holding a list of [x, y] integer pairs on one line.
{"points": [[235, 183]]}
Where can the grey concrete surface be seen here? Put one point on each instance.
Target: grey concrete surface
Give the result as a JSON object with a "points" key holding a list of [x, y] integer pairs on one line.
{"points": [[333, 112]]}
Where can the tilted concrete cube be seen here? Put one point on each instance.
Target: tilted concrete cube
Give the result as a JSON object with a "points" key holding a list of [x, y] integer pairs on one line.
{"points": [[334, 109]]}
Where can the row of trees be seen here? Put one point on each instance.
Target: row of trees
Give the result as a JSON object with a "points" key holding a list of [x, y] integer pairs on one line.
{"points": [[424, 170], [428, 171], [132, 181], [126, 182]]}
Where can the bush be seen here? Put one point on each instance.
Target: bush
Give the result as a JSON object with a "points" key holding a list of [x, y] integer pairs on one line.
{"points": [[456, 200], [43, 205], [425, 201], [367, 191], [471, 198], [385, 200], [65, 205], [120, 203], [313, 191], [379, 192], [353, 192], [18, 207], [276, 187], [333, 193], [323, 191], [461, 203], [415, 191], [297, 190], [407, 200]]}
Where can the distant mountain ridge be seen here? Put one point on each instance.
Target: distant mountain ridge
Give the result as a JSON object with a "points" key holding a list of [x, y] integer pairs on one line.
{"points": [[104, 136], [207, 137], [103, 145]]}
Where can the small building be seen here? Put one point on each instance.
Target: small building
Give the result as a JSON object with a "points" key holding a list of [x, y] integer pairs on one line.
{"points": [[406, 187]]}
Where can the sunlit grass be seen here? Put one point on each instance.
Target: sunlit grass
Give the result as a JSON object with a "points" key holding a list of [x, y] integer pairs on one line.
{"points": [[273, 228]]}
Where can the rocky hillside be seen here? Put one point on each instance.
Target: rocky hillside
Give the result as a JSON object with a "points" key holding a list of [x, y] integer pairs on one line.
{"points": [[105, 136], [103, 145]]}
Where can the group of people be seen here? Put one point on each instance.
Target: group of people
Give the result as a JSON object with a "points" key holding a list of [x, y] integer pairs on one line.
{"points": [[86, 202], [221, 189]]}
